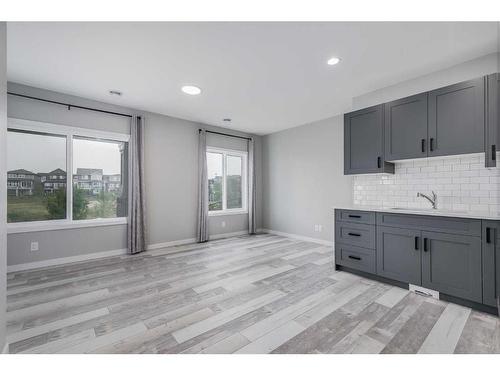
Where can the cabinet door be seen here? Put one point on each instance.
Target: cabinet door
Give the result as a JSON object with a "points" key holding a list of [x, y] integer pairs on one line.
{"points": [[363, 142], [406, 128], [451, 264], [398, 254], [492, 119], [457, 119], [491, 262]]}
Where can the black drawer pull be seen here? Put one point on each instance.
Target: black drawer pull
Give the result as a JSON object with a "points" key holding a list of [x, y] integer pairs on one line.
{"points": [[432, 144], [493, 152], [416, 243], [354, 234], [423, 145], [379, 162], [354, 257], [355, 216], [488, 235], [425, 245]]}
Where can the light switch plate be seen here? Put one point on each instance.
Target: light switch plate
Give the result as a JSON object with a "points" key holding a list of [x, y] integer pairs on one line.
{"points": [[34, 246]]}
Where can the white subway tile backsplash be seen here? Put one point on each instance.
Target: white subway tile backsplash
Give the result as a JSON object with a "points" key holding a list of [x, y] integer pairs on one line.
{"points": [[461, 183]]}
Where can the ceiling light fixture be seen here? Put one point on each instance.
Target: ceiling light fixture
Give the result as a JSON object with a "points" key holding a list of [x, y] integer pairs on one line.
{"points": [[191, 90], [115, 92], [226, 120], [333, 61]]}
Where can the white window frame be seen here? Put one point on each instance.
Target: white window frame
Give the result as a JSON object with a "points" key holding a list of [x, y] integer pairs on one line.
{"points": [[244, 184], [69, 132]]}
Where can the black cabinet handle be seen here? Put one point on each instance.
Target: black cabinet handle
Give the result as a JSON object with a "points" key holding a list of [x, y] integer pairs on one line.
{"points": [[354, 234], [355, 216], [354, 257], [379, 162], [488, 235], [431, 144], [416, 243], [423, 145], [493, 152], [425, 245]]}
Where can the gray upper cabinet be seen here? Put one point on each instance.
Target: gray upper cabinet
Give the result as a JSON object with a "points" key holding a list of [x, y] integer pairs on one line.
{"points": [[492, 119], [452, 264], [364, 142], [398, 254], [406, 128], [457, 118], [491, 262]]}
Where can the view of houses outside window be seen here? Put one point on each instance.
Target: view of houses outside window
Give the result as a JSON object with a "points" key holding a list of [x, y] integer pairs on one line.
{"points": [[97, 179], [226, 190], [37, 178]]}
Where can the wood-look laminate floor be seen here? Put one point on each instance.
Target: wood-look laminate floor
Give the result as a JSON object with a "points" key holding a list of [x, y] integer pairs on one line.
{"points": [[250, 294]]}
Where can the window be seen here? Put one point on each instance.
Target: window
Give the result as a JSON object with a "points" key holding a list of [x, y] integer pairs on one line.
{"points": [[31, 157], [227, 187], [97, 179], [62, 176]]}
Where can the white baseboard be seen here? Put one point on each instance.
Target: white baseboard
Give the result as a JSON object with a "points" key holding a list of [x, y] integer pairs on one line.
{"points": [[161, 245], [105, 254], [298, 237], [60, 261], [5, 349]]}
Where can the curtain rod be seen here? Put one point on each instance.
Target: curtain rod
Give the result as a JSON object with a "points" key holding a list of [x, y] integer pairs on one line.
{"points": [[227, 135], [69, 105]]}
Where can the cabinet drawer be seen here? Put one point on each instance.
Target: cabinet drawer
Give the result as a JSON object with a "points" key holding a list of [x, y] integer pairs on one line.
{"points": [[362, 217], [355, 257], [355, 234], [470, 227]]}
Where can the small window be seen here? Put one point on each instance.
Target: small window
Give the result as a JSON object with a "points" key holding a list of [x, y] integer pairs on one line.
{"points": [[227, 188]]}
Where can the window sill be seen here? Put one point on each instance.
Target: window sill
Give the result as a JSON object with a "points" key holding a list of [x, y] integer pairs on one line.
{"points": [[227, 213], [41, 226]]}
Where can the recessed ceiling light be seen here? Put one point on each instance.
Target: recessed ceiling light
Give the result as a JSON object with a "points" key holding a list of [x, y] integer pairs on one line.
{"points": [[191, 90], [333, 61], [115, 92]]}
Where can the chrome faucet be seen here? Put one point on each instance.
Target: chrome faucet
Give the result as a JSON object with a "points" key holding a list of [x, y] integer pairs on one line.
{"points": [[433, 200]]}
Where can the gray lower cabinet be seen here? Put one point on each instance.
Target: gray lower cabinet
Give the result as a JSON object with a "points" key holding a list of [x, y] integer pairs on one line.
{"points": [[405, 125], [457, 118], [491, 262], [398, 254], [364, 142], [492, 119], [451, 264]]}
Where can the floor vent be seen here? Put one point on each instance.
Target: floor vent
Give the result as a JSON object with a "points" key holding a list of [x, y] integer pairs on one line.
{"points": [[421, 291]]}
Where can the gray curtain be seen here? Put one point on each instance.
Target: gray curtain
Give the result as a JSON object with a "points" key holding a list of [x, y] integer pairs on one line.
{"points": [[252, 222], [136, 193], [202, 219]]}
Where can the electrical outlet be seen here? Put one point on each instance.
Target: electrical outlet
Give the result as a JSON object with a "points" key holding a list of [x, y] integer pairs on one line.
{"points": [[315, 227], [320, 227], [34, 246], [223, 224]]}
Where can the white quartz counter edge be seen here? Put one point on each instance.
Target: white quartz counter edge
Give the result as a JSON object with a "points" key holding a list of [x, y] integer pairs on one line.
{"points": [[425, 212]]}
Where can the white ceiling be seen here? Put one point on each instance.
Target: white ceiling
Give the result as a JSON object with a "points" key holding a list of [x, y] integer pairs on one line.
{"points": [[265, 76]]}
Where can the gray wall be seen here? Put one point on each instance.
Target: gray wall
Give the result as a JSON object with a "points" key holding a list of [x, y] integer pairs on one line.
{"points": [[303, 178], [3, 182], [171, 179], [461, 72]]}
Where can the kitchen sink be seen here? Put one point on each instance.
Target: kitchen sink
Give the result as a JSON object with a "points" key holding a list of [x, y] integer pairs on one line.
{"points": [[427, 210]]}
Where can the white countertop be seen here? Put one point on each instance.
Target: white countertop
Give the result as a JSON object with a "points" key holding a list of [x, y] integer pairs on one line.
{"points": [[424, 211]]}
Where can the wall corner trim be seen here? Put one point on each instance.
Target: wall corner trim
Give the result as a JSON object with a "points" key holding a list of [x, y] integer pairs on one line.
{"points": [[298, 237]]}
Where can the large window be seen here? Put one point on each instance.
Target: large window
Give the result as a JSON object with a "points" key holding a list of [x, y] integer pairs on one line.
{"points": [[227, 187], [64, 176]]}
